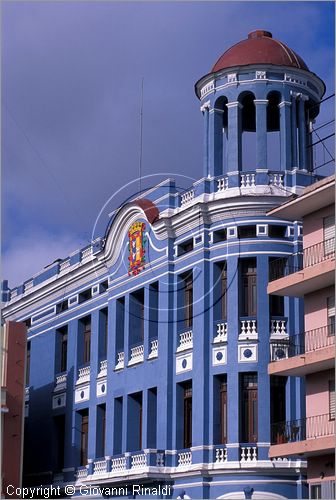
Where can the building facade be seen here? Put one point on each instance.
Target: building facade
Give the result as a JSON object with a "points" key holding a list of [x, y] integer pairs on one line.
{"points": [[149, 348], [310, 353], [13, 353]]}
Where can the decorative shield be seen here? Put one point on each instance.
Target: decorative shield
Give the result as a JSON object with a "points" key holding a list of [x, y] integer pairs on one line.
{"points": [[136, 246]]}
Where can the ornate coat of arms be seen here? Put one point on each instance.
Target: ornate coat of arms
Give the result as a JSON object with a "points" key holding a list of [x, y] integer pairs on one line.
{"points": [[136, 246]]}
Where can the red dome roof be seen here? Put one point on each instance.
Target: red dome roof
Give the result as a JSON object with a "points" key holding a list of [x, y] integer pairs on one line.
{"points": [[259, 48]]}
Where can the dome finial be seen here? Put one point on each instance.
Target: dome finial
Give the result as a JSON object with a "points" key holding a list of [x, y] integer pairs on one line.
{"points": [[259, 34]]}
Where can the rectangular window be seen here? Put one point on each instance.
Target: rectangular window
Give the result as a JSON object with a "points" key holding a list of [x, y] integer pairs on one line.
{"points": [[276, 305], [86, 295], [185, 247], [84, 438], [63, 342], [28, 364], [101, 430], [86, 322], [117, 425], [249, 407], [332, 399], [247, 232], [134, 422], [277, 231], [223, 412], [103, 333], [187, 415], [249, 287], [331, 315], [136, 316], [188, 300], [223, 300], [278, 405], [219, 235]]}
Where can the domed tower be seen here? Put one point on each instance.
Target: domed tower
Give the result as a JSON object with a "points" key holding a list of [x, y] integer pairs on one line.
{"points": [[262, 86]]}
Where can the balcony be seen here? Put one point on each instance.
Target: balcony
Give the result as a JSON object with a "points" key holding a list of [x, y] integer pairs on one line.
{"points": [[220, 331], [185, 341], [311, 436], [137, 355], [61, 382], [305, 353], [304, 272], [153, 349], [120, 360], [248, 329], [83, 375]]}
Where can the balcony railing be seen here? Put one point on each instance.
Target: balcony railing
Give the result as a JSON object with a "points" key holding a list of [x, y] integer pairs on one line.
{"points": [[100, 467], [139, 461], [153, 350], [303, 428], [220, 454], [186, 341], [184, 458], [137, 354], [120, 360], [220, 331], [305, 342], [310, 256], [248, 453], [248, 329]]}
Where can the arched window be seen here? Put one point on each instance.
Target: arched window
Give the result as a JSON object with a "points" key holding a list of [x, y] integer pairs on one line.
{"points": [[273, 131], [248, 131], [221, 130]]}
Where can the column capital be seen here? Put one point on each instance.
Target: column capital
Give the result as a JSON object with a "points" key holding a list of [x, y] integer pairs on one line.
{"points": [[284, 103], [294, 94], [303, 97], [260, 101], [205, 106], [234, 104]]}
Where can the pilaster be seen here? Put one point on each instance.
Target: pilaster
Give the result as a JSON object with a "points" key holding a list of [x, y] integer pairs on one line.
{"points": [[285, 135], [234, 136]]}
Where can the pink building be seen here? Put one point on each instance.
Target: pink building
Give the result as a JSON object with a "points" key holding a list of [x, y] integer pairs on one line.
{"points": [[311, 354], [13, 365]]}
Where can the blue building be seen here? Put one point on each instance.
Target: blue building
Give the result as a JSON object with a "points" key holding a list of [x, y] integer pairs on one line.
{"points": [[148, 350]]}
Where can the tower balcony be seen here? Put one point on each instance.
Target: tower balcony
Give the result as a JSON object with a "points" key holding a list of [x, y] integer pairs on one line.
{"points": [[311, 436], [304, 272]]}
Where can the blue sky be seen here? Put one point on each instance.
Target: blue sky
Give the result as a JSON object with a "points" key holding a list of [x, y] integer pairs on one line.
{"points": [[71, 80]]}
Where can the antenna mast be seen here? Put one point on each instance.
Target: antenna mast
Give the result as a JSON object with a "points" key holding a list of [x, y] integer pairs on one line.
{"points": [[140, 152]]}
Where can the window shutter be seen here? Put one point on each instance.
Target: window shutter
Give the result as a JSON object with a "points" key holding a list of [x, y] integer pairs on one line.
{"points": [[329, 234]]}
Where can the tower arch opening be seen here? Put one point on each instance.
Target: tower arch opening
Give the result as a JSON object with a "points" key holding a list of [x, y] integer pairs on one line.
{"points": [[248, 131], [222, 130], [273, 130]]}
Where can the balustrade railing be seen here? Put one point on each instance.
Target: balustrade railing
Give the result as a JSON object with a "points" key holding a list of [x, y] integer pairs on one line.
{"points": [[154, 345], [248, 453], [137, 354], [276, 179], [305, 342], [82, 472], [138, 461], [310, 256], [61, 380], [103, 367], [304, 428], [118, 464], [221, 329], [248, 329], [186, 340], [187, 197], [278, 327], [84, 373], [247, 180], [184, 458], [120, 360], [220, 455], [100, 467], [223, 184]]}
